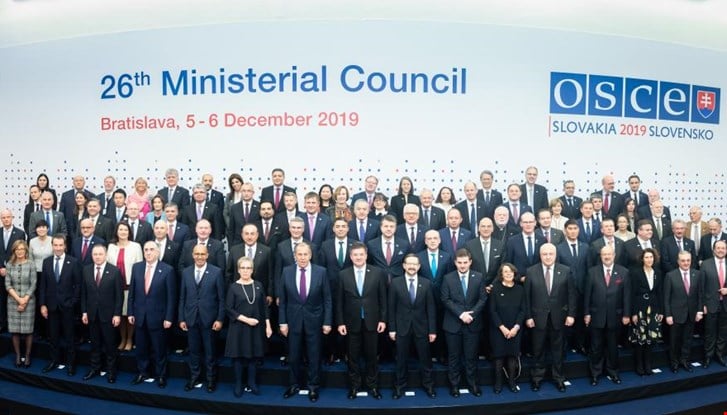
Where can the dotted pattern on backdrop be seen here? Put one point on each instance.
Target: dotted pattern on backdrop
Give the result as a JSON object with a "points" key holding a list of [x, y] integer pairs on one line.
{"points": [[680, 190]]}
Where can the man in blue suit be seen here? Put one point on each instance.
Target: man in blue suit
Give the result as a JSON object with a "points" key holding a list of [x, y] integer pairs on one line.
{"points": [[173, 193], [387, 251], [515, 205], [411, 229], [151, 307], [318, 226], [454, 237], [589, 227], [575, 255], [201, 312], [305, 314], [177, 231], [68, 198], [571, 202], [83, 245], [362, 228], [533, 195], [522, 248]]}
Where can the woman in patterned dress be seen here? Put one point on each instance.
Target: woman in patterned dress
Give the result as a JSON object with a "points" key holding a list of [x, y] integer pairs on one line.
{"points": [[20, 284]]}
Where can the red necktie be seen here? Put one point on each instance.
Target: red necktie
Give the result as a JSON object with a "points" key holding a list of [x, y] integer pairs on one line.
{"points": [[608, 277], [454, 240], [686, 281], [605, 202], [267, 230], [98, 276], [721, 275], [277, 197], [388, 253], [84, 250]]}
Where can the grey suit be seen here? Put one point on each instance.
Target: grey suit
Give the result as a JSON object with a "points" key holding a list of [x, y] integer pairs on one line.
{"points": [[57, 225]]}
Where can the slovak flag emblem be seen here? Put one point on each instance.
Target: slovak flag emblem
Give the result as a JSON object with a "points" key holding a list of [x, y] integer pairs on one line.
{"points": [[706, 103]]}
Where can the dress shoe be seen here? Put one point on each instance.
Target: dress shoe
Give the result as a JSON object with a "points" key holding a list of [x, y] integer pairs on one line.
{"points": [[674, 369], [560, 386], [454, 392], [497, 390], [91, 374], [686, 367], [111, 379], [430, 392], [616, 380], [535, 386], [313, 396], [720, 360], [138, 379], [254, 390], [513, 387], [211, 386], [71, 370], [475, 391], [352, 393], [50, 366], [375, 393], [291, 391], [190, 385], [594, 381], [396, 394], [706, 363], [162, 383]]}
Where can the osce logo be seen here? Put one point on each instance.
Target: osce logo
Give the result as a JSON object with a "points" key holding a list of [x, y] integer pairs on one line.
{"points": [[613, 96]]}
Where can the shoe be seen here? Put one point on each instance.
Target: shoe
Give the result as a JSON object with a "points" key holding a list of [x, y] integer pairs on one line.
{"points": [[237, 391], [91, 374], [594, 381], [26, 364], [284, 361], [513, 387], [430, 392], [686, 367], [162, 382], [674, 369], [454, 392], [616, 380], [254, 390], [313, 396], [352, 393], [138, 379], [71, 371], [211, 386], [497, 390], [720, 360], [293, 390], [560, 386], [475, 391], [535, 386], [396, 394], [111, 379], [190, 385], [50, 366], [19, 363], [706, 362], [375, 393]]}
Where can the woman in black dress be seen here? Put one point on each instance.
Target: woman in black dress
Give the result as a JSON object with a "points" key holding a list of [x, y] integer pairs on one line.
{"points": [[246, 308], [647, 315], [507, 312]]}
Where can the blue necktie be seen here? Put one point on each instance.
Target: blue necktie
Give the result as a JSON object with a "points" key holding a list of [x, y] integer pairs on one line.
{"points": [[473, 218], [47, 219], [57, 269], [340, 253], [463, 279], [361, 231], [530, 247], [433, 265], [588, 230], [412, 291], [359, 286]]}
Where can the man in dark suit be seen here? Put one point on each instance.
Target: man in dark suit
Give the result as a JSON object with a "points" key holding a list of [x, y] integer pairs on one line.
{"points": [[607, 307], [10, 234], [241, 213], [411, 230], [371, 183], [56, 221], [575, 255], [550, 234], [430, 216], [533, 195], [672, 245], [82, 245], [515, 206], [387, 251], [290, 208], [503, 229], [464, 298], [270, 230], [106, 197], [487, 253], [215, 248], [696, 227], [471, 208], [102, 299], [412, 319], [659, 219], [644, 239], [635, 193], [361, 314], [551, 296], [608, 230], [285, 252], [647, 212], [117, 212], [151, 307], [141, 230], [571, 202], [590, 229], [173, 192], [683, 307], [305, 314], [213, 196], [490, 198], [613, 202], [32, 206], [60, 291], [318, 226], [68, 198], [454, 237], [176, 230], [260, 255], [169, 250], [201, 313], [435, 264], [275, 192], [715, 324], [104, 227], [522, 248], [715, 234], [200, 208], [362, 228]]}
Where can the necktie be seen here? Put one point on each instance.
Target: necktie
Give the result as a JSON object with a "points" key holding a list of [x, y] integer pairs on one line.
{"points": [[515, 213], [658, 226], [686, 281], [84, 249], [98, 276], [47, 219], [598, 216], [454, 240], [608, 276], [473, 218], [371, 200], [359, 286], [486, 254], [588, 230], [361, 231], [426, 217], [266, 232], [340, 253], [199, 211], [118, 215], [606, 198], [311, 225], [530, 247], [388, 253], [412, 291], [303, 288], [247, 212], [412, 236], [277, 197], [57, 269], [679, 244], [721, 275], [487, 197], [249, 253], [170, 232], [547, 235], [696, 236], [531, 200], [463, 280], [209, 195], [573, 250], [147, 278], [570, 202], [37, 207], [171, 195], [198, 276], [433, 264], [133, 231], [547, 279]]}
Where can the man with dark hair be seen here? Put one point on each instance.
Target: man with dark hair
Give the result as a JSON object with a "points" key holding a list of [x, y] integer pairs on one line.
{"points": [[274, 193]]}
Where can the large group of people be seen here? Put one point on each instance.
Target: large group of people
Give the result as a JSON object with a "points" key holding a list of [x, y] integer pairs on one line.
{"points": [[361, 278]]}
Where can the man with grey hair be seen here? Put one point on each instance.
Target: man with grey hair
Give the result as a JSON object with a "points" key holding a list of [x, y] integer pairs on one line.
{"points": [[173, 192], [489, 197], [532, 194], [105, 198], [715, 234], [362, 228], [201, 208], [55, 219], [431, 216], [673, 244], [645, 212], [696, 227]]}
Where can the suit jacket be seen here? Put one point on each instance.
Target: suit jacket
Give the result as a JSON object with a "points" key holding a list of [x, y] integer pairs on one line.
{"points": [[437, 218], [641, 201], [144, 232], [215, 249], [607, 304], [403, 232], [372, 229], [328, 258], [705, 245], [16, 234], [111, 214], [322, 231], [102, 202], [67, 291], [644, 212], [397, 206], [58, 223], [712, 297], [633, 252], [615, 206], [237, 220], [516, 254], [445, 265], [103, 301], [277, 231], [495, 201], [377, 256], [665, 226], [556, 306], [464, 209], [180, 196], [669, 251], [262, 264], [159, 305], [204, 303], [418, 318], [540, 197], [68, 201], [522, 208], [618, 247], [445, 234], [182, 233], [703, 230], [359, 196], [268, 193], [556, 235], [574, 211], [496, 257], [595, 231], [677, 303], [27, 211], [217, 198], [312, 313], [170, 256], [77, 249], [372, 302], [502, 234], [641, 295], [211, 212], [283, 258], [104, 228], [456, 302], [578, 265]]}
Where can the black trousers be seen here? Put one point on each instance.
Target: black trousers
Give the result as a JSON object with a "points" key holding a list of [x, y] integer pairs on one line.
{"points": [[421, 343], [364, 342], [462, 349], [61, 323], [715, 333], [680, 342], [103, 340], [202, 341], [555, 339], [601, 359]]}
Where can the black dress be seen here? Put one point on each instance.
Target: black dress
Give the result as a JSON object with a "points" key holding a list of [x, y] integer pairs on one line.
{"points": [[244, 340], [507, 306]]}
